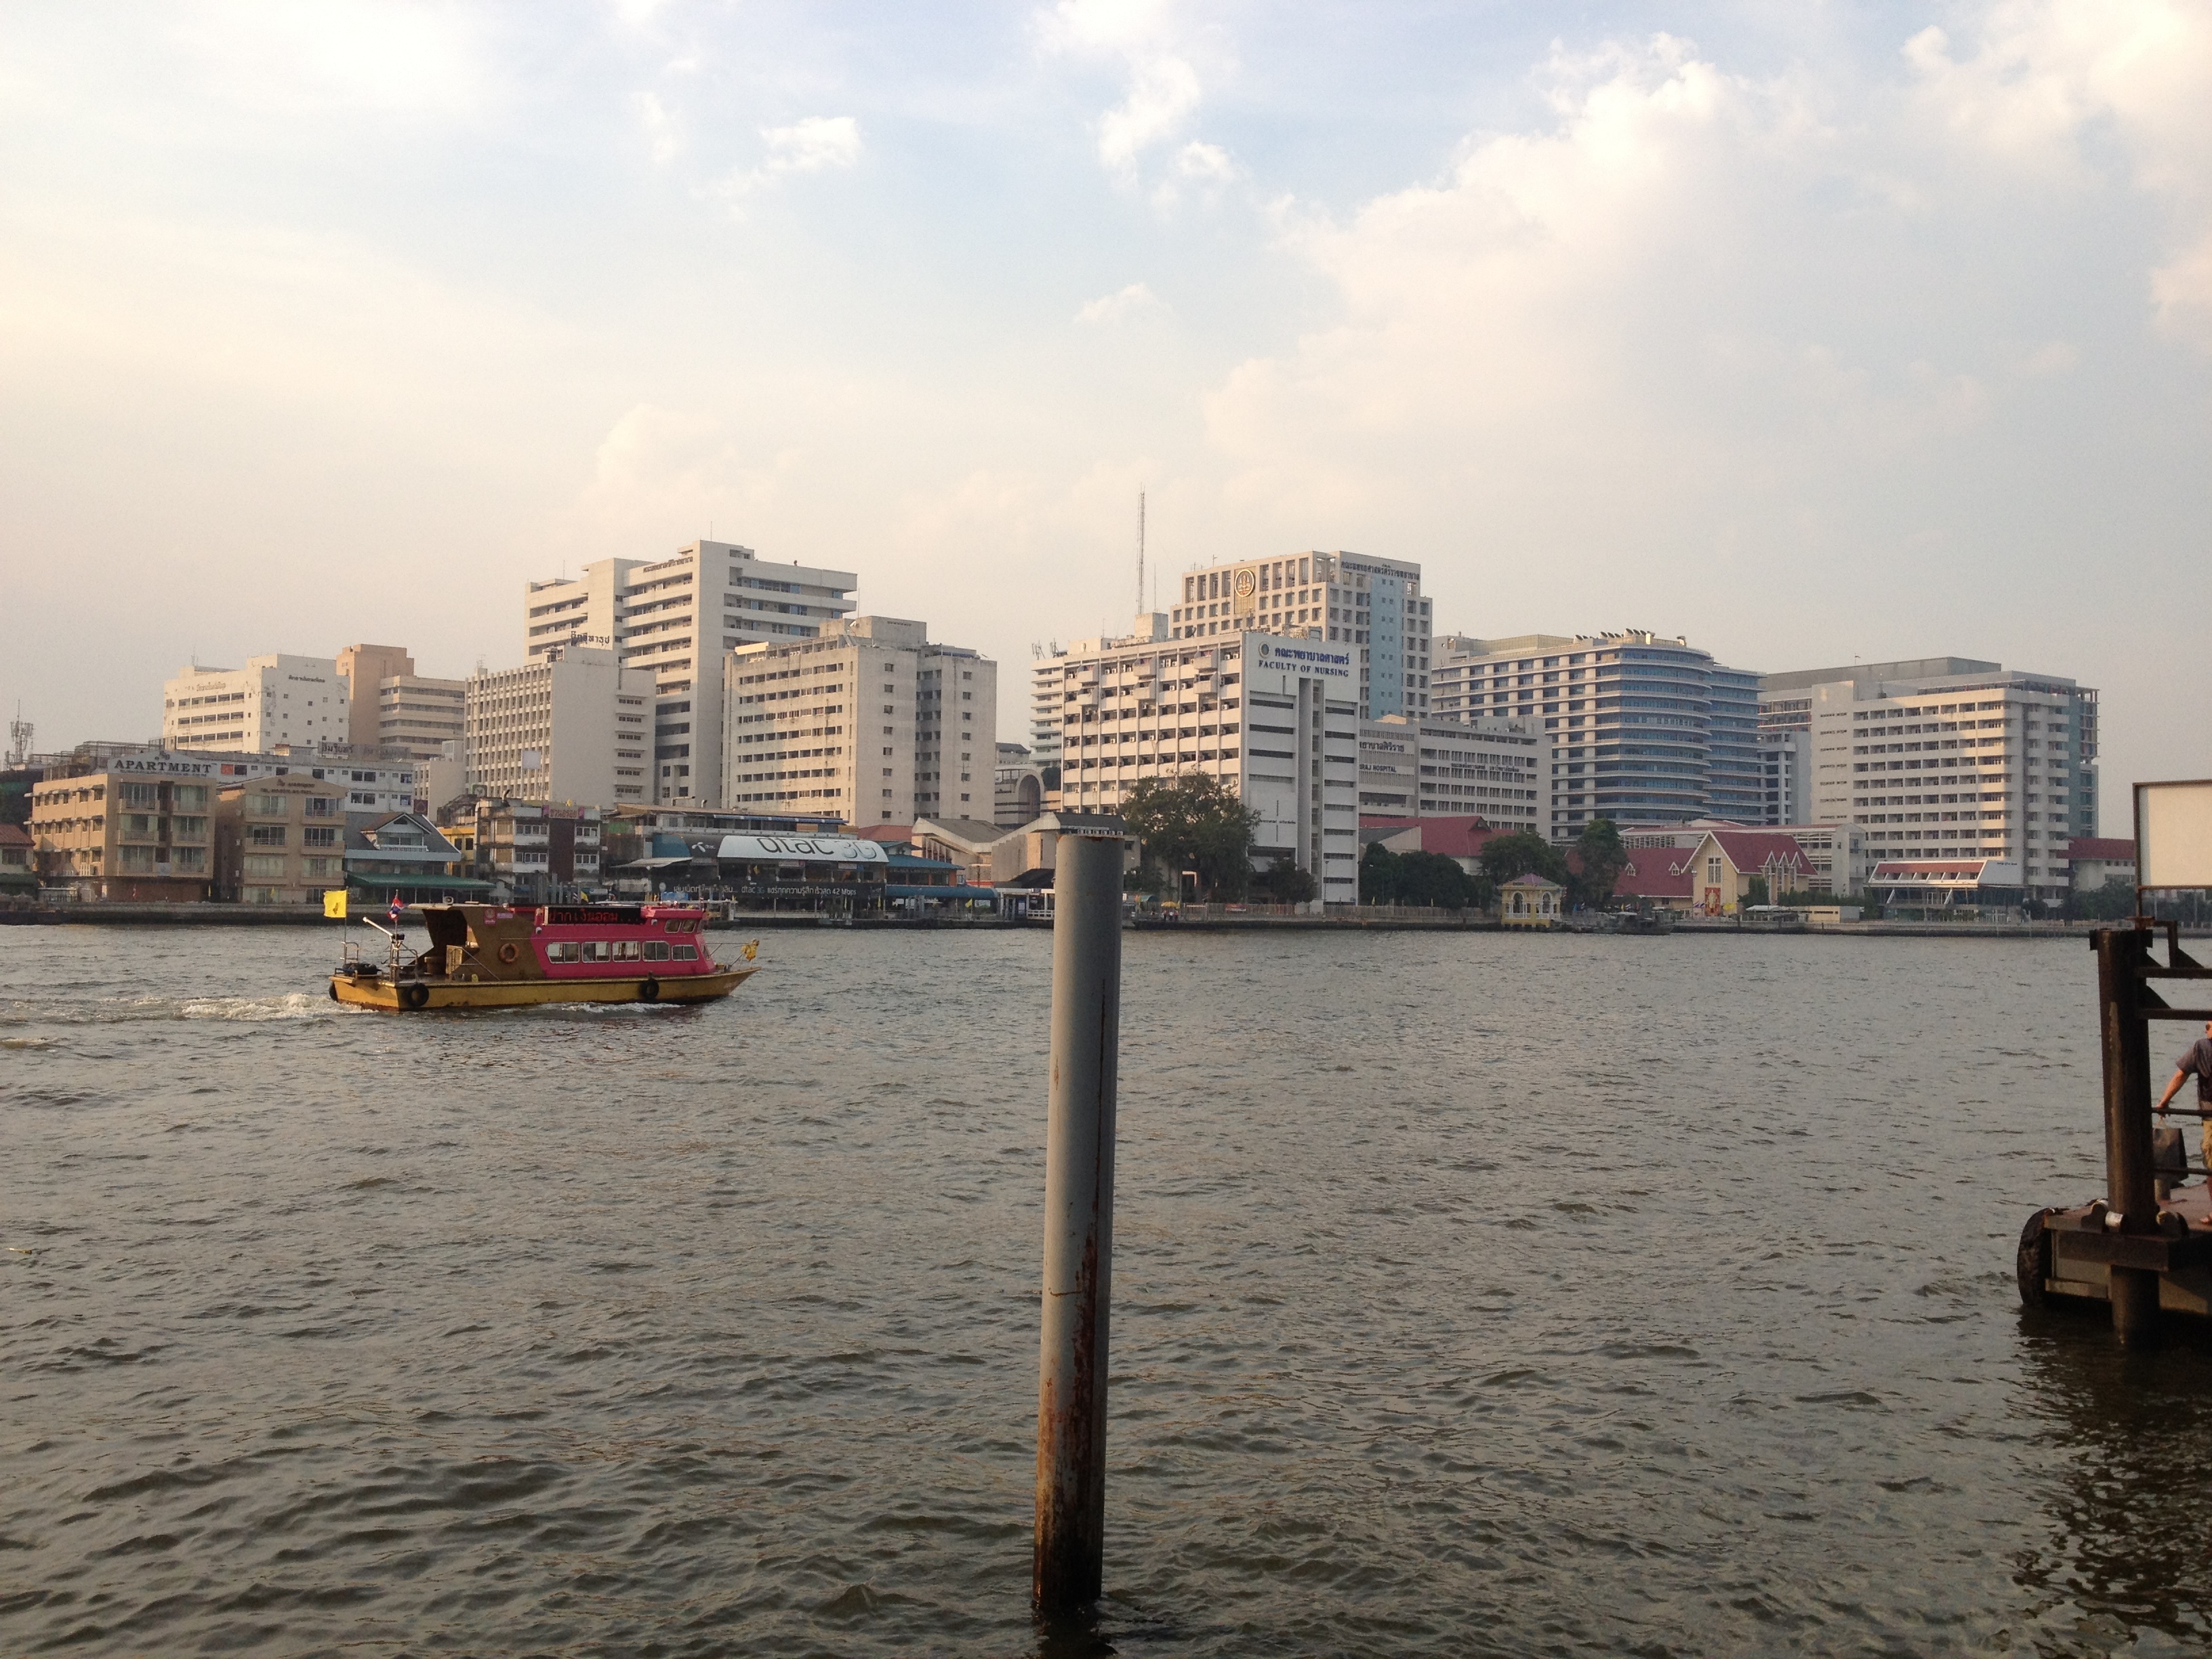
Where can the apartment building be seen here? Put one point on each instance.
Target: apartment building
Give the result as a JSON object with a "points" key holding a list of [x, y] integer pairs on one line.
{"points": [[1950, 757], [574, 726], [870, 722], [673, 618], [279, 840], [1641, 728], [1499, 771], [137, 829], [1274, 719], [535, 852], [301, 702], [1374, 605]]}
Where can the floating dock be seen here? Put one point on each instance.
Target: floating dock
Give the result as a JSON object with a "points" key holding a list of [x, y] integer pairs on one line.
{"points": [[2145, 1247]]}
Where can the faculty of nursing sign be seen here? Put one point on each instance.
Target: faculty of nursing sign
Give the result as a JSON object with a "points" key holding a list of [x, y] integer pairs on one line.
{"points": [[1309, 661]]}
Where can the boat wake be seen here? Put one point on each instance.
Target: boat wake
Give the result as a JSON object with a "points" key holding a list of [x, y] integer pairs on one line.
{"points": [[131, 1011]]}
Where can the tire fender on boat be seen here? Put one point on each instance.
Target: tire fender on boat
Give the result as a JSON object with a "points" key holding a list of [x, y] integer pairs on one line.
{"points": [[648, 990], [414, 995]]}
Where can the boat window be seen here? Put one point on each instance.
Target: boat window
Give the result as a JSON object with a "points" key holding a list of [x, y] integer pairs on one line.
{"points": [[687, 953], [656, 950], [682, 927], [629, 950], [598, 949], [565, 951]]}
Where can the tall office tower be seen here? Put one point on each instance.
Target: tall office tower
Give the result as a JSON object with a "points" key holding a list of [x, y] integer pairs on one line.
{"points": [[1274, 719], [1949, 755], [870, 722], [572, 727], [299, 701], [1644, 729], [675, 618], [361, 667], [1374, 605]]}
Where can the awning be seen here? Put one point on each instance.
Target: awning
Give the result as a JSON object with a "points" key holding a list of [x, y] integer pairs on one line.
{"points": [[653, 864], [443, 884]]}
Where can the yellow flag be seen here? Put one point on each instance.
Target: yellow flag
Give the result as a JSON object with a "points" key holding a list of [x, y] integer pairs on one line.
{"points": [[334, 904]]}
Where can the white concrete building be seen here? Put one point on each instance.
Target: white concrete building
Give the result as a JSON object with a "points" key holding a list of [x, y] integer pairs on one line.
{"points": [[1785, 763], [1018, 787], [870, 722], [573, 726], [276, 699], [1500, 770], [1274, 719], [1374, 605], [674, 618], [1947, 757]]}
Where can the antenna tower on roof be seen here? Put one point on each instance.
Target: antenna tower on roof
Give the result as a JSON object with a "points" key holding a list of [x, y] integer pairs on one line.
{"points": [[1140, 549]]}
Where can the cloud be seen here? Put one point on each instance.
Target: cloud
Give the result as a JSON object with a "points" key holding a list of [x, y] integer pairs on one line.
{"points": [[670, 472], [2069, 91], [1699, 298], [1134, 301], [660, 127], [815, 144], [1163, 93], [1162, 88]]}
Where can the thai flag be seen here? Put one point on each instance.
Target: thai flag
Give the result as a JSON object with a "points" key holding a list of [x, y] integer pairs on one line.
{"points": [[395, 915]]}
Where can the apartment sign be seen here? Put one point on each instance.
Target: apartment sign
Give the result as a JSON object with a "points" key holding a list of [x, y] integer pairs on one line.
{"points": [[162, 764]]}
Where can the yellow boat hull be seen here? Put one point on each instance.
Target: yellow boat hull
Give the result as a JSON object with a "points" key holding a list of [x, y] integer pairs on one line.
{"points": [[427, 995]]}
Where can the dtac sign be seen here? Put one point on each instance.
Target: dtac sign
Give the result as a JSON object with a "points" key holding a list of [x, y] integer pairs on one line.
{"points": [[800, 850]]}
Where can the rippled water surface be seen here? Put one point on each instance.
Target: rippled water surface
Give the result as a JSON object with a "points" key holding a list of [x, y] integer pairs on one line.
{"points": [[1475, 1295]]}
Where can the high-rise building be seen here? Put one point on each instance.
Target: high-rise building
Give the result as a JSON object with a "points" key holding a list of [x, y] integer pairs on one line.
{"points": [[1274, 719], [299, 701], [1374, 605], [395, 712], [675, 618], [361, 667], [1941, 756], [870, 722], [573, 726], [1643, 729]]}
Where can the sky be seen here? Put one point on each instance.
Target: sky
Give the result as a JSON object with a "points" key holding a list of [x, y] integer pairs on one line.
{"points": [[1811, 333]]}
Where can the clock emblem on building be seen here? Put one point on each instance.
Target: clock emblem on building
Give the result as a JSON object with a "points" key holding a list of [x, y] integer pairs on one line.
{"points": [[1244, 584]]}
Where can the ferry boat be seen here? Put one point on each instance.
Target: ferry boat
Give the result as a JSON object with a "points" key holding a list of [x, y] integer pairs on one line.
{"points": [[489, 956]]}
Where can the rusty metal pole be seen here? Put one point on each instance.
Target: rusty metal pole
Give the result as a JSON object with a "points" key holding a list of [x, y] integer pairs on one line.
{"points": [[1079, 1224], [2129, 1191]]}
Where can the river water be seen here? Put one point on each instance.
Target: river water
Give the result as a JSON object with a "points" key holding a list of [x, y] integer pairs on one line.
{"points": [[1475, 1294]]}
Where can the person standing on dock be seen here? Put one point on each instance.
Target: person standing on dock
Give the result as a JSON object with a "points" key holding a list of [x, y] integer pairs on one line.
{"points": [[2199, 1060]]}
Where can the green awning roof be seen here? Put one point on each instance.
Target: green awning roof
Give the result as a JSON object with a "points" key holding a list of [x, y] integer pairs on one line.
{"points": [[443, 884]]}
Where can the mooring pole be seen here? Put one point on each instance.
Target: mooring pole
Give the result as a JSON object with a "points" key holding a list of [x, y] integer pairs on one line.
{"points": [[2129, 1191], [1078, 1222]]}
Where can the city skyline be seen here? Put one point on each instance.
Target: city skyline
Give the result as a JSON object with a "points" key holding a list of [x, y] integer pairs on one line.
{"points": [[1808, 339]]}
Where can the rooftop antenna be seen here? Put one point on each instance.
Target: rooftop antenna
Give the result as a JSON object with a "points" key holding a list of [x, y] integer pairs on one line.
{"points": [[1140, 549], [19, 738]]}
